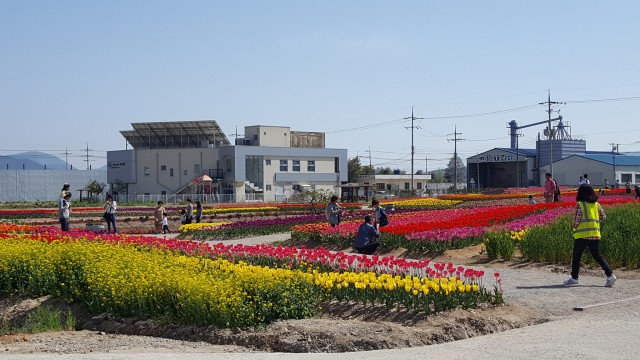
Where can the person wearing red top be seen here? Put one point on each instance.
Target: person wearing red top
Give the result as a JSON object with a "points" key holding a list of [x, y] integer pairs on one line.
{"points": [[549, 188]]}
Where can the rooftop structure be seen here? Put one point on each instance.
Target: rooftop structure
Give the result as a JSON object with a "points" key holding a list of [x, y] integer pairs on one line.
{"points": [[176, 134]]}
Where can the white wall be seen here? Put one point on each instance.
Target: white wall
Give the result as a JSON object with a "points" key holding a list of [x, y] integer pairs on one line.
{"points": [[45, 185], [155, 180]]}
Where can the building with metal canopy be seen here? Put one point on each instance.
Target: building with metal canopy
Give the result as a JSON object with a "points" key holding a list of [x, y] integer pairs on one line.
{"points": [[176, 134], [270, 163]]}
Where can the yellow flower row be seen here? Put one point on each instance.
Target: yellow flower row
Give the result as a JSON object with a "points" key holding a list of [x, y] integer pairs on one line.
{"points": [[187, 228], [421, 203], [518, 235], [239, 209], [124, 280], [410, 284]]}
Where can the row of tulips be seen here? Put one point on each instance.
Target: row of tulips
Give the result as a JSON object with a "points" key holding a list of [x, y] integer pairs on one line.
{"points": [[443, 229], [117, 275], [421, 203]]}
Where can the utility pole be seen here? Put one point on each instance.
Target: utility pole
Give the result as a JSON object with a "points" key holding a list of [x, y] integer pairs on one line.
{"points": [[455, 157], [551, 132], [66, 158], [87, 156], [369, 151], [413, 150], [615, 148]]}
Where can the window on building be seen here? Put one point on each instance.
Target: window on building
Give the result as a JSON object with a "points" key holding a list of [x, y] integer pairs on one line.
{"points": [[163, 167], [637, 178], [227, 163], [296, 187], [184, 172], [163, 192], [406, 186], [311, 165], [625, 177], [284, 165], [295, 166], [147, 170], [268, 188], [419, 185], [267, 162], [170, 172], [380, 186]]}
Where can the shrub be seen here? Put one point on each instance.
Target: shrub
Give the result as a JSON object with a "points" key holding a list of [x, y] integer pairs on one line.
{"points": [[499, 243]]}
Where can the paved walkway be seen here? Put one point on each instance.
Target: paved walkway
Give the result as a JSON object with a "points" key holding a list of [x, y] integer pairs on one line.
{"points": [[609, 330]]}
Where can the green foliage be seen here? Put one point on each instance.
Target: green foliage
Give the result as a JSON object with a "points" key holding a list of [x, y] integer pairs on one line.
{"points": [[316, 200], [620, 242], [95, 187], [552, 243], [450, 170], [621, 236], [499, 244], [42, 319]]}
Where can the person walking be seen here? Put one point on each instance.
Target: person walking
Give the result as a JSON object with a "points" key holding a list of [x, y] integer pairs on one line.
{"points": [[158, 215], [189, 212], [110, 207], [627, 187], [333, 211], [165, 224], [549, 188], [198, 211], [637, 189], [586, 233], [366, 241], [617, 184], [64, 211]]}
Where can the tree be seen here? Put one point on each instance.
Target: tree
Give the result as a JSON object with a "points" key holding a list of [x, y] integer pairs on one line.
{"points": [[461, 173], [95, 187], [385, 171], [119, 187], [354, 167], [438, 176], [315, 200]]}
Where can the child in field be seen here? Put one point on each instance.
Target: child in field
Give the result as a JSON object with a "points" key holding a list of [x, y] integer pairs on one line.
{"points": [[532, 201], [183, 216], [586, 234], [165, 224]]}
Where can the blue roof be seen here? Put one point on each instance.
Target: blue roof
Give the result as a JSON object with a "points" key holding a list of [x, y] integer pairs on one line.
{"points": [[620, 159]]}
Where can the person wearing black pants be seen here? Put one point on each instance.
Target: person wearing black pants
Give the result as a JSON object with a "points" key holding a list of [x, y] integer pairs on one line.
{"points": [[586, 234], [366, 241]]}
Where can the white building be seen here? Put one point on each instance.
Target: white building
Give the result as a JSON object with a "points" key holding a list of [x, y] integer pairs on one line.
{"points": [[270, 163]]}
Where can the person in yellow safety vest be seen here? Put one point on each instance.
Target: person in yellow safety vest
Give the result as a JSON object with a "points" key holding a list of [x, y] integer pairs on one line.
{"points": [[586, 234]]}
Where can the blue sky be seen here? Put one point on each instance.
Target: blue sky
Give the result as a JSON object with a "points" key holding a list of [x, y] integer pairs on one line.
{"points": [[75, 73]]}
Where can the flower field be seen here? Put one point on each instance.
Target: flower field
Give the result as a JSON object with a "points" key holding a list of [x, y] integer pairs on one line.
{"points": [[192, 282], [195, 282]]}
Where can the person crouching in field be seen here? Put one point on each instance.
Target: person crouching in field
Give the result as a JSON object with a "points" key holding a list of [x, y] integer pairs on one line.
{"points": [[366, 241], [586, 234]]}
